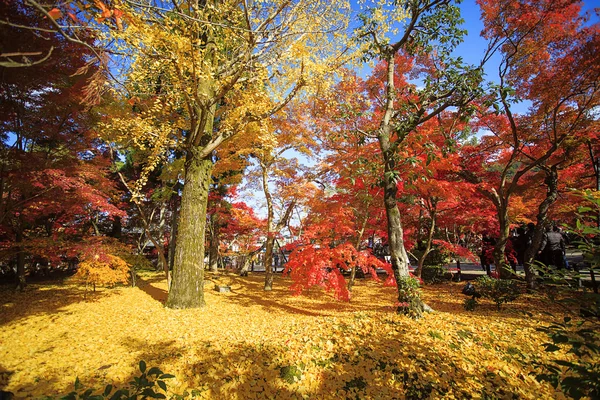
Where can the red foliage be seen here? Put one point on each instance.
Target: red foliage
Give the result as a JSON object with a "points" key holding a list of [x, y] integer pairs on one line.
{"points": [[313, 265]]}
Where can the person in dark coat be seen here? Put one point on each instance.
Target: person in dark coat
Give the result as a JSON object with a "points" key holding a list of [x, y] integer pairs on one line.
{"points": [[487, 252], [520, 245], [553, 248]]}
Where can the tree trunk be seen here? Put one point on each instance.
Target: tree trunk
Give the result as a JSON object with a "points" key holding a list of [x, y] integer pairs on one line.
{"points": [[21, 282], [551, 182], [398, 254], [116, 228], [501, 266], [173, 235], [213, 251], [187, 289], [427, 250], [268, 261], [359, 237]]}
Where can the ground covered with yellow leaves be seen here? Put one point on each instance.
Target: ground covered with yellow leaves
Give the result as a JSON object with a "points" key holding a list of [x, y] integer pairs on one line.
{"points": [[253, 344]]}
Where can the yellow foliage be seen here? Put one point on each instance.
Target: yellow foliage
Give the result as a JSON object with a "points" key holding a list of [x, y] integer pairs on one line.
{"points": [[108, 270], [242, 343]]}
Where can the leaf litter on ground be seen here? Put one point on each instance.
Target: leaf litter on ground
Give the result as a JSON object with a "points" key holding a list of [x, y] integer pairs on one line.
{"points": [[253, 344]]}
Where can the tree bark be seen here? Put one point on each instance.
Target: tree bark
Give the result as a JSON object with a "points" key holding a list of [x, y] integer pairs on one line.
{"points": [[501, 266], [357, 246], [117, 228], [433, 215], [213, 252], [187, 290], [551, 182], [21, 282], [173, 235]]}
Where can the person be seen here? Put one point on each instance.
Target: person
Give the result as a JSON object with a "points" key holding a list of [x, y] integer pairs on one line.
{"points": [[520, 244], [486, 255], [553, 247], [510, 252]]}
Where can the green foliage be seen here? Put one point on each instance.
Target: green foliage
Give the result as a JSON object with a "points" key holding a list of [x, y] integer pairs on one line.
{"points": [[290, 373], [138, 262], [433, 274], [409, 297], [435, 257], [581, 376], [149, 385], [500, 291], [470, 304]]}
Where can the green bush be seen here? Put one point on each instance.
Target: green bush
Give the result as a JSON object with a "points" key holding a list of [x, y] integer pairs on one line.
{"points": [[433, 274], [580, 377], [470, 304], [435, 257], [500, 291]]}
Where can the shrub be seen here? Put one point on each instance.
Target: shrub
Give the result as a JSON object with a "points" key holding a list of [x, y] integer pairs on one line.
{"points": [[470, 304], [433, 274], [581, 376], [500, 291], [103, 269]]}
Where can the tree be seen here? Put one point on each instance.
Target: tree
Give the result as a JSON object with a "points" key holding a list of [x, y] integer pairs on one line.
{"points": [[428, 37], [547, 60], [54, 185], [203, 62]]}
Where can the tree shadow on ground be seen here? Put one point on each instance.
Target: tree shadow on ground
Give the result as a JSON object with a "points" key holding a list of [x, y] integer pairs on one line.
{"points": [[249, 292], [146, 285], [41, 299], [392, 367]]}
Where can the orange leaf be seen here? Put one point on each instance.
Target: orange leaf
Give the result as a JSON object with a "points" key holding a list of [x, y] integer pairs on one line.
{"points": [[55, 13], [101, 6]]}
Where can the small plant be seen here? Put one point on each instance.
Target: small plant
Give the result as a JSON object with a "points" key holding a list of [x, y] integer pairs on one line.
{"points": [[149, 385], [500, 291], [432, 274], [580, 377], [470, 304], [409, 297], [290, 373]]}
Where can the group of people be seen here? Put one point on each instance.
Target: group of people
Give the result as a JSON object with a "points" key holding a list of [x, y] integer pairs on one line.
{"points": [[551, 251]]}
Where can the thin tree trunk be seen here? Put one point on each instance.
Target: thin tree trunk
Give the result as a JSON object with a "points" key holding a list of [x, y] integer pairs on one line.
{"points": [[361, 232], [501, 266], [158, 245], [21, 282], [117, 228], [213, 251], [187, 290], [162, 259], [428, 246], [268, 261], [551, 182]]}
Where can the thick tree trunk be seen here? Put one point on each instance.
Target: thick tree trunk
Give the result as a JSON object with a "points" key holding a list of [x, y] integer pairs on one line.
{"points": [[551, 182], [173, 235], [187, 289]]}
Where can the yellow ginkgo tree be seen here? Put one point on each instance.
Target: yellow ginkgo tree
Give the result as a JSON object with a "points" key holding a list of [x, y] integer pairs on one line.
{"points": [[201, 72]]}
